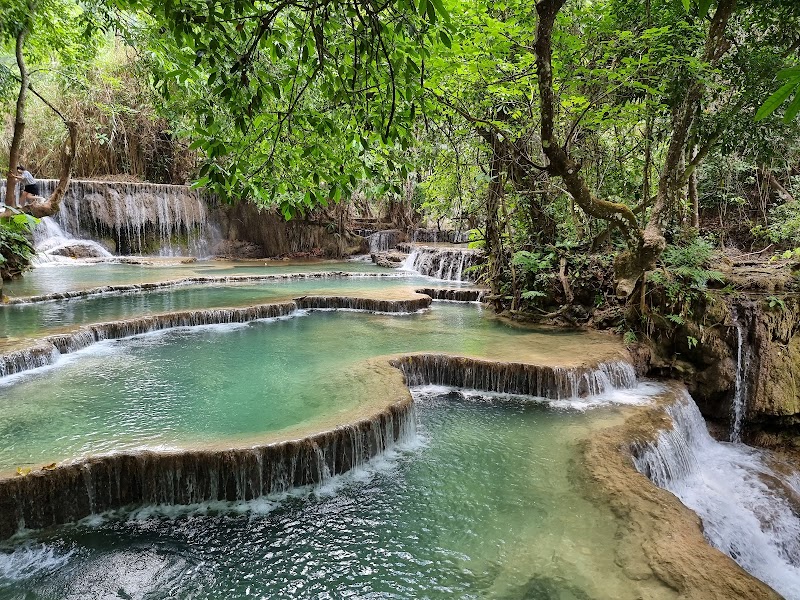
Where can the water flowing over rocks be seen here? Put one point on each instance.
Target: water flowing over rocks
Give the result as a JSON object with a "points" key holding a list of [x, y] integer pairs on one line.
{"points": [[137, 218], [441, 263], [48, 350], [659, 537], [749, 508], [175, 220], [363, 304], [743, 372], [384, 240], [97, 484], [454, 295], [515, 378]]}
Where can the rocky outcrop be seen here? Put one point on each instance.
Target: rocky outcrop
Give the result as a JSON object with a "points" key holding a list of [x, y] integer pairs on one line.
{"points": [[389, 260], [747, 353], [438, 236], [247, 222]]}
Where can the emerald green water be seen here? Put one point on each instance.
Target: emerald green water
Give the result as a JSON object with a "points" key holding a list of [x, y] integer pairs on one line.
{"points": [[20, 321], [54, 278], [485, 506], [188, 386], [487, 502]]}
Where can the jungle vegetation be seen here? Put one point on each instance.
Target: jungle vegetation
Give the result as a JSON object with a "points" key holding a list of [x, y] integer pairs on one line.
{"points": [[595, 149]]}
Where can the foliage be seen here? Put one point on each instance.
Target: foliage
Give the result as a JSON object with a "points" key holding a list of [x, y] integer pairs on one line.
{"points": [[790, 88], [684, 276], [784, 224], [16, 249], [294, 104]]}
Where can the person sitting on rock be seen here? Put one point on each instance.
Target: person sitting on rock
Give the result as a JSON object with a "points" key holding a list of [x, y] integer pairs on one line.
{"points": [[31, 186]]}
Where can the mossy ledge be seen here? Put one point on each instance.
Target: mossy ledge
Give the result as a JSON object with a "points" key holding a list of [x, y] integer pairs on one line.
{"points": [[659, 537]]}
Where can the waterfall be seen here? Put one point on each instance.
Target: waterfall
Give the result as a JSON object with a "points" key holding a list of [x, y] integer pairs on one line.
{"points": [[440, 263], [739, 405], [436, 236], [402, 306], [52, 244], [382, 241], [137, 218], [556, 383], [454, 295], [98, 484], [748, 505]]}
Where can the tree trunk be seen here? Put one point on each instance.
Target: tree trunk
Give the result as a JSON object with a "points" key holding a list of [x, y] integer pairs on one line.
{"points": [[561, 164], [494, 245], [694, 199], [672, 176], [773, 185], [19, 118]]}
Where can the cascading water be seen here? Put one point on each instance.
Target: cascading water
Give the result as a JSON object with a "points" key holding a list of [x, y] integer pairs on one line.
{"points": [[53, 245], [137, 218], [441, 263], [747, 504], [382, 241], [436, 236], [739, 405]]}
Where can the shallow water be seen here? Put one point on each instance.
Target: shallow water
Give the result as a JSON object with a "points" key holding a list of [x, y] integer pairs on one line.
{"points": [[484, 505], [19, 321], [53, 278], [206, 384]]}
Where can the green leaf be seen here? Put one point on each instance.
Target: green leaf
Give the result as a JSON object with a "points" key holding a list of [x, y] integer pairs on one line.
{"points": [[793, 109], [790, 73], [775, 100], [702, 7], [445, 39], [686, 4]]}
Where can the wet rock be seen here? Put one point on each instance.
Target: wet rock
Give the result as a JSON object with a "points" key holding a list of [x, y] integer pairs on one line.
{"points": [[390, 259], [78, 250], [234, 249]]}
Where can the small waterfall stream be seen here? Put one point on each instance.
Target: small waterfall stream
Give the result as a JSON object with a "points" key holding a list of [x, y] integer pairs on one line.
{"points": [[739, 405], [748, 504], [382, 241], [52, 244], [447, 264]]}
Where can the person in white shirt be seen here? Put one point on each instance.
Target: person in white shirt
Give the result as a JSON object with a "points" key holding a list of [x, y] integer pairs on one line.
{"points": [[30, 185]]}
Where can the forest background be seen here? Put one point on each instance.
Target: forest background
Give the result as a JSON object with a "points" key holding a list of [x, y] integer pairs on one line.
{"points": [[612, 158]]}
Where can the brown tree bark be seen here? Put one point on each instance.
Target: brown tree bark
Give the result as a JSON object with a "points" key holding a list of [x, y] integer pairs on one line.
{"points": [[561, 164], [19, 117]]}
